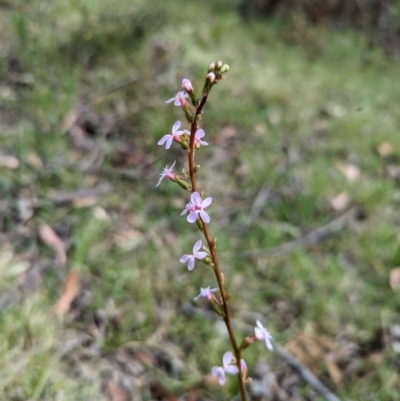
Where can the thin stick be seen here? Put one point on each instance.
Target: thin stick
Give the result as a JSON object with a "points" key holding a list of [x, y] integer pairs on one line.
{"points": [[305, 374], [312, 237]]}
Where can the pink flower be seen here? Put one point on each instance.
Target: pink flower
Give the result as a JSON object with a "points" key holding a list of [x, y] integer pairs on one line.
{"points": [[227, 367], [167, 172], [189, 259], [263, 334], [187, 85], [211, 77], [197, 138], [196, 208], [174, 136], [206, 293], [179, 99]]}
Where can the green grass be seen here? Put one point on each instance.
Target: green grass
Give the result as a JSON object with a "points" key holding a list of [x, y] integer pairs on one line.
{"points": [[296, 111]]}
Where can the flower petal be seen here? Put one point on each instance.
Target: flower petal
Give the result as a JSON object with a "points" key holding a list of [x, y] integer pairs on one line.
{"points": [[204, 216], [191, 264], [200, 255], [206, 202], [162, 140], [259, 333], [197, 246], [159, 181], [195, 198], [184, 258], [200, 133], [192, 217], [176, 126], [227, 359], [231, 369]]}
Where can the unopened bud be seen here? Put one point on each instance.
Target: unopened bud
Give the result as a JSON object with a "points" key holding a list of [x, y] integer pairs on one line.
{"points": [[199, 224], [218, 65], [188, 113], [225, 68], [182, 183], [210, 77], [207, 260], [196, 168], [246, 342], [211, 67], [187, 85]]}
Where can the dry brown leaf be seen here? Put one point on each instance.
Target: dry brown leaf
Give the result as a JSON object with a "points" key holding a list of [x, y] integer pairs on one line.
{"points": [[101, 214], [34, 160], [10, 162], [128, 240], [71, 290], [84, 202], [69, 121], [340, 201], [385, 149], [393, 171], [334, 371], [115, 392], [394, 278], [50, 238], [351, 171]]}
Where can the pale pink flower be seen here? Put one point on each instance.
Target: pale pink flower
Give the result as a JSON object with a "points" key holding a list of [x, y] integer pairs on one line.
{"points": [[174, 136], [189, 259], [167, 173], [197, 138], [227, 367], [187, 85], [179, 99], [206, 293], [211, 77], [263, 334], [196, 208]]}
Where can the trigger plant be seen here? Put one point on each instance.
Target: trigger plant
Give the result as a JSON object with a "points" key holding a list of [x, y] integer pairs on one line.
{"points": [[191, 140]]}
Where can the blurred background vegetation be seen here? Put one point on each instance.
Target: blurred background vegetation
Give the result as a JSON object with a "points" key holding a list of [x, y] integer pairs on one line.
{"points": [[303, 166]]}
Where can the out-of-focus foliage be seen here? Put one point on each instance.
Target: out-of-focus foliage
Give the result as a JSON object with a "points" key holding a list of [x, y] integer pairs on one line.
{"points": [[379, 19]]}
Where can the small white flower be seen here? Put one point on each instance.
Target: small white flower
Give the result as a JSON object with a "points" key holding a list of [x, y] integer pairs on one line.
{"points": [[206, 293], [262, 333], [197, 138], [196, 208], [189, 259], [174, 136], [167, 172], [227, 367], [179, 99]]}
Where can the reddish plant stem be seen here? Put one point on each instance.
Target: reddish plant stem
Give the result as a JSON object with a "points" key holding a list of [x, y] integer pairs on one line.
{"points": [[212, 247]]}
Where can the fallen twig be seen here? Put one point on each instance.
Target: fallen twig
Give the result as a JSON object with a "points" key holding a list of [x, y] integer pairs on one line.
{"points": [[312, 237], [305, 374]]}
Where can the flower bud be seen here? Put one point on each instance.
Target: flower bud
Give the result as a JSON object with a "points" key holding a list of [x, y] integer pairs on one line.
{"points": [[246, 342], [218, 65], [187, 85], [210, 77], [225, 68], [188, 113], [196, 168], [207, 260], [199, 224], [211, 67], [182, 184]]}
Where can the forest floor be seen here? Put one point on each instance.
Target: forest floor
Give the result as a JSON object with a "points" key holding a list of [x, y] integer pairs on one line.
{"points": [[303, 167]]}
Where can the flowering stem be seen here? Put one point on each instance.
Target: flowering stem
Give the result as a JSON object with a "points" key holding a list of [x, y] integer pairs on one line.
{"points": [[212, 247]]}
